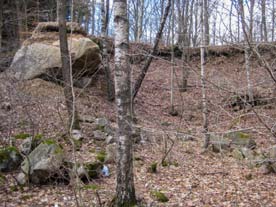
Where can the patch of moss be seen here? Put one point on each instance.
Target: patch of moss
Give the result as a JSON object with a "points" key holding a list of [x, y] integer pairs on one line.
{"points": [[49, 141], [5, 152], [175, 163], [242, 135], [93, 169], [26, 197], [159, 196], [153, 168], [165, 163], [2, 179], [13, 188], [38, 136], [91, 187], [101, 156], [22, 136], [77, 144], [101, 128]]}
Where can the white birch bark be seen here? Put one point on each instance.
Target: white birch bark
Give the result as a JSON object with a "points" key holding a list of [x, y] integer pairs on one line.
{"points": [[125, 191]]}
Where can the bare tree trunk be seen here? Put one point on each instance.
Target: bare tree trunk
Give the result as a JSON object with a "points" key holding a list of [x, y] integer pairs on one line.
{"points": [[145, 68], [172, 109], [206, 23], [125, 191], [264, 31], [195, 35], [203, 78], [230, 22], [185, 45], [1, 22], [93, 17], [140, 20], [273, 20], [247, 31], [109, 80], [107, 3], [66, 68]]}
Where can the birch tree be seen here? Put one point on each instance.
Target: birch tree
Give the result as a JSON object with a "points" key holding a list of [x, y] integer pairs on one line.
{"points": [[125, 191]]}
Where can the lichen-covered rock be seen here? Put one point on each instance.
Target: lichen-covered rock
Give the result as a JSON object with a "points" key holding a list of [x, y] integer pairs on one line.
{"points": [[99, 135], [241, 139], [10, 159], [22, 178], [40, 54], [43, 162], [219, 143], [237, 154], [93, 169]]}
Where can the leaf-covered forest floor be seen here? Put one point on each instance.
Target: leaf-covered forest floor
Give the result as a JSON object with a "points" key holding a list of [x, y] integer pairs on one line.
{"points": [[194, 178]]}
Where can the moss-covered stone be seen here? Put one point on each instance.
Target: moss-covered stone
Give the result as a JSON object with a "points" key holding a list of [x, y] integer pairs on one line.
{"points": [[10, 159], [159, 196], [101, 156], [93, 169]]}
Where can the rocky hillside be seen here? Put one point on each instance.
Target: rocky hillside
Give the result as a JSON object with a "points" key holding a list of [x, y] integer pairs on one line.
{"points": [[236, 171]]}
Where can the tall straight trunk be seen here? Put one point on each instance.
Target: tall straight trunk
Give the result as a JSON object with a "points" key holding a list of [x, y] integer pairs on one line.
{"points": [[172, 109], [179, 22], [230, 21], [109, 80], [125, 191], [67, 68], [1, 22], [247, 32], [158, 37], [264, 31], [185, 45], [206, 22], [93, 17], [140, 20], [215, 25], [103, 27], [195, 25], [203, 78], [273, 20], [107, 4]]}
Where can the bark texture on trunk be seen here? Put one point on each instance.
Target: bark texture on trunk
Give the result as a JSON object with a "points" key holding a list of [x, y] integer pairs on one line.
{"points": [[104, 25], [125, 191], [66, 67], [264, 32], [203, 78], [158, 37], [1, 22]]}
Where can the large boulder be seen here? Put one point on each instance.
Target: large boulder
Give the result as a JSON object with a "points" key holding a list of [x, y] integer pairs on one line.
{"points": [[40, 54], [231, 141], [43, 162]]}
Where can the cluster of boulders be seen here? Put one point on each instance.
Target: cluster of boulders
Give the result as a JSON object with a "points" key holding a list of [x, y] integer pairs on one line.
{"points": [[43, 160], [243, 147]]}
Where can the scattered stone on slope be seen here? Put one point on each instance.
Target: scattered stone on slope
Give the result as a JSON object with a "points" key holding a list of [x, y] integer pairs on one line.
{"points": [[10, 159], [43, 162], [231, 141]]}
